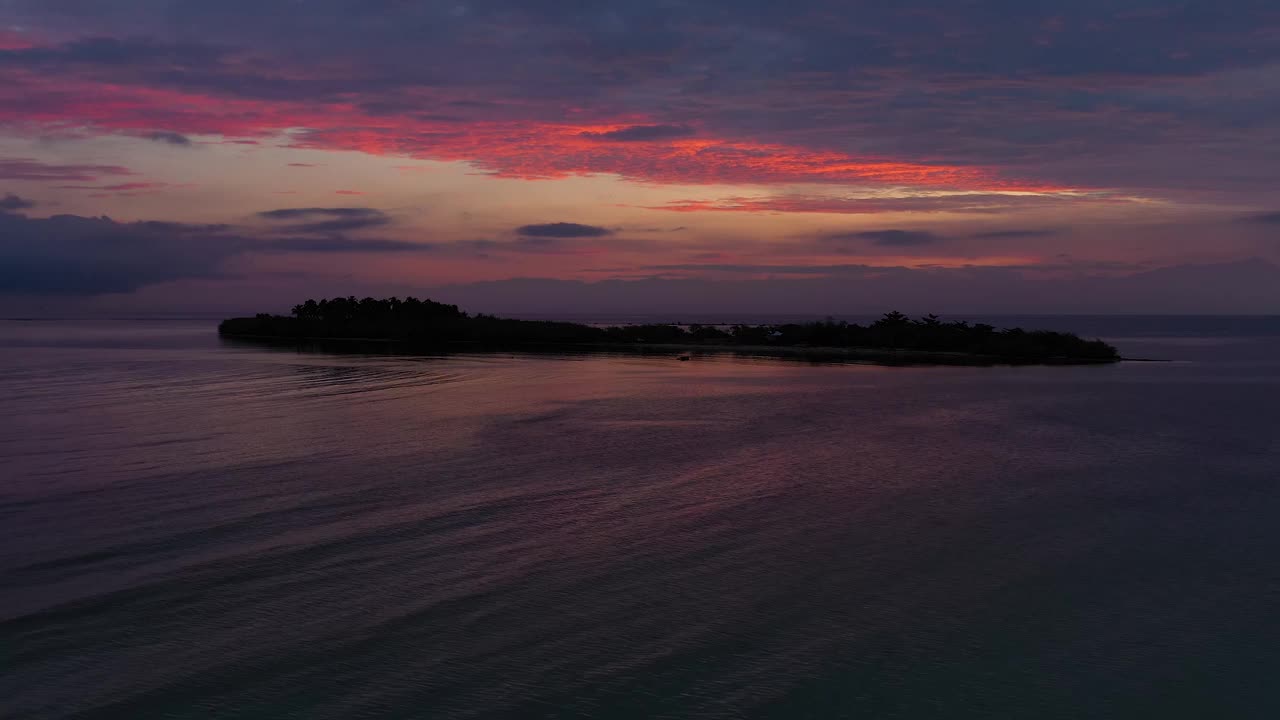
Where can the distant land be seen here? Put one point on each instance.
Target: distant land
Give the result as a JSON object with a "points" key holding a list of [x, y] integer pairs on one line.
{"points": [[413, 324]]}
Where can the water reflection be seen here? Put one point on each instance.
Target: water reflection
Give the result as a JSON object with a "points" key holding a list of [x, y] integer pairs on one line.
{"points": [[190, 527]]}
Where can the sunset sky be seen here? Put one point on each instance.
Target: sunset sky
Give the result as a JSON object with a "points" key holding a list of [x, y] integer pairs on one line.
{"points": [[729, 155]]}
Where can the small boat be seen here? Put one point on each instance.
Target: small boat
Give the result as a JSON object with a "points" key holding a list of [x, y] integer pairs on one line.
{"points": [[684, 358]]}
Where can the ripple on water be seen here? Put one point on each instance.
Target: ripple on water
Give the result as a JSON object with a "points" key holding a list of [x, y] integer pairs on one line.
{"points": [[190, 531]]}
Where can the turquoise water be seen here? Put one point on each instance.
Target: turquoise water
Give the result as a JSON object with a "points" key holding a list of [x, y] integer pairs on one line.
{"points": [[196, 529]]}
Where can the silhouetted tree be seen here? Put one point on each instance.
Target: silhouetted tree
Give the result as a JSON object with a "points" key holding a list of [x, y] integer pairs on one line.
{"points": [[427, 321]]}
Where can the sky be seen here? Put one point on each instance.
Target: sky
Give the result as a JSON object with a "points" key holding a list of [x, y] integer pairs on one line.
{"points": [[562, 157]]}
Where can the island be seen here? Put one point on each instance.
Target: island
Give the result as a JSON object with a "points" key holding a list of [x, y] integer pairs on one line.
{"points": [[424, 325]]}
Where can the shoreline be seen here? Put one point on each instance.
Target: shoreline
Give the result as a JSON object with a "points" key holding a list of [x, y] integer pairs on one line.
{"points": [[869, 356]]}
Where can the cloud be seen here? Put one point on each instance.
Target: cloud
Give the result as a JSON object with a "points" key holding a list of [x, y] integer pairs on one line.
{"points": [[641, 133], [798, 92], [310, 212], [118, 187], [891, 238], [12, 202], [34, 170], [504, 146], [542, 150], [75, 255], [585, 244], [72, 255], [701, 269], [765, 269], [170, 138], [1270, 218], [969, 202], [341, 244], [103, 51], [326, 220], [562, 230], [1013, 234]]}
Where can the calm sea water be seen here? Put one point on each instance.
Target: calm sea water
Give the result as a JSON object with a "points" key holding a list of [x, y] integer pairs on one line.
{"points": [[193, 529]]}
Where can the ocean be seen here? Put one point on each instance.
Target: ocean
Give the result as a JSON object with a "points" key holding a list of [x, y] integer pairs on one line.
{"points": [[194, 528]]}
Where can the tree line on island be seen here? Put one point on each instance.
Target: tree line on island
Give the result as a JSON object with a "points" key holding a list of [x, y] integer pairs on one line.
{"points": [[425, 322]]}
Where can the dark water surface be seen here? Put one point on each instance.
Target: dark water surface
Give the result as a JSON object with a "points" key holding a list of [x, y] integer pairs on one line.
{"points": [[190, 529]]}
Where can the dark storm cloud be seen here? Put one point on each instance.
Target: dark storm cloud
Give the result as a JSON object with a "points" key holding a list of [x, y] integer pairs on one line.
{"points": [[642, 133], [12, 202], [562, 230]]}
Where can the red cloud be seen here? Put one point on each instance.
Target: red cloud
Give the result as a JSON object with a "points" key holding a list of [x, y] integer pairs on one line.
{"points": [[514, 149], [544, 151]]}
